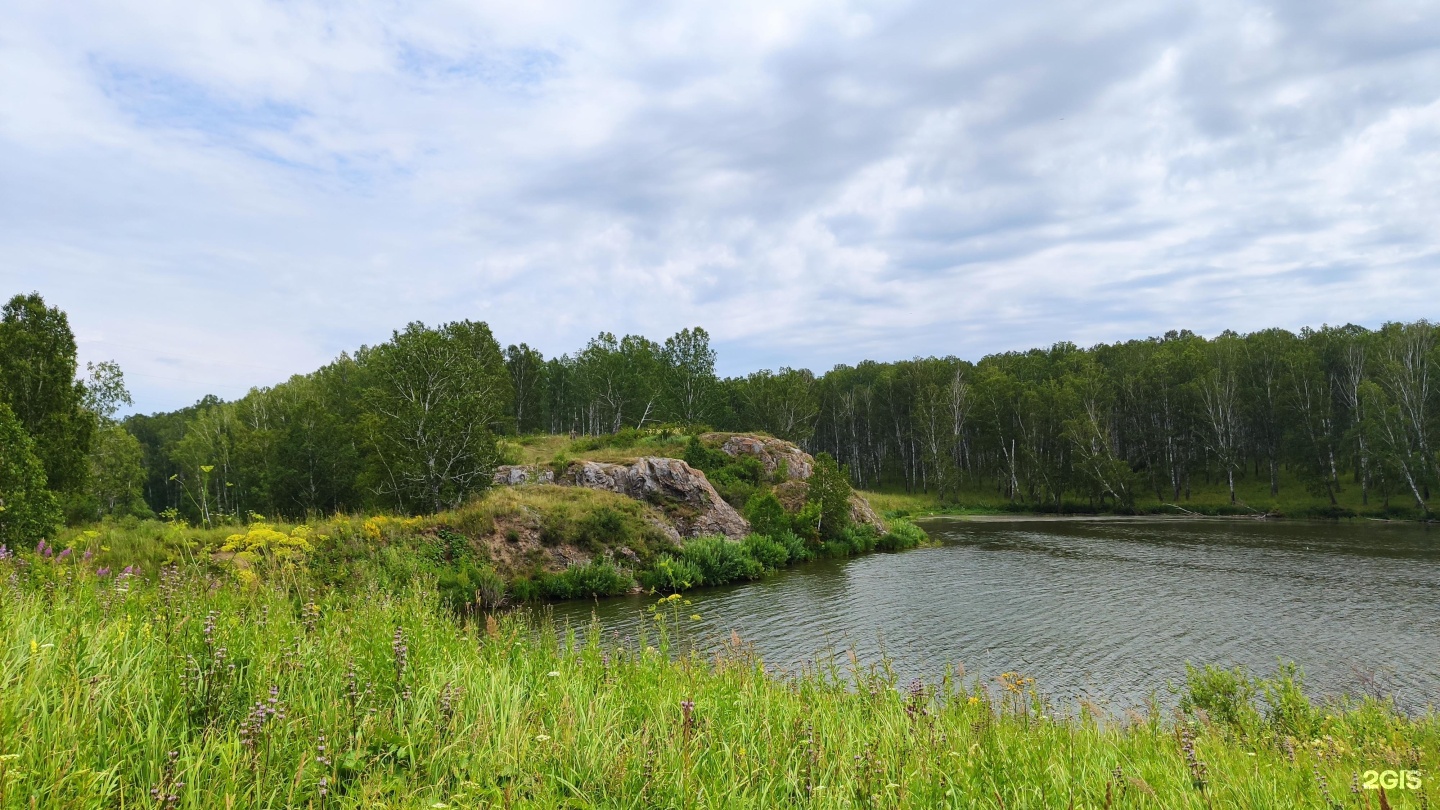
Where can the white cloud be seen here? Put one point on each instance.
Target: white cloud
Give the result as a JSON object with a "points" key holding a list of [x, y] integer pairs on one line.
{"points": [[224, 194]]}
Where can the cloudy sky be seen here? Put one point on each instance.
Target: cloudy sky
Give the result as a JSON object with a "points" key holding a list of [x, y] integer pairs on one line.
{"points": [[223, 194]]}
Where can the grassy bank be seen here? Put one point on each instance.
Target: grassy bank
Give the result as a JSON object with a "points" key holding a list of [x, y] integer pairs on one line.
{"points": [[192, 692], [1253, 498], [513, 545]]}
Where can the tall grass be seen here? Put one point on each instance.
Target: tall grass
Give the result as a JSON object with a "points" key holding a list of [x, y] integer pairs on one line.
{"points": [[188, 692]]}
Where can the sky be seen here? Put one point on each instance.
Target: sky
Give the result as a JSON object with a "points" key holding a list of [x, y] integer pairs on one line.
{"points": [[221, 195]]}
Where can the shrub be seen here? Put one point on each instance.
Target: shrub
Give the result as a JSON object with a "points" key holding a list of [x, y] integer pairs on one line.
{"points": [[806, 524], [795, 547], [765, 551], [526, 589], [672, 575], [1226, 695], [600, 529], [902, 535], [1290, 713], [721, 561], [766, 515], [468, 587], [861, 538], [599, 578], [703, 458]]}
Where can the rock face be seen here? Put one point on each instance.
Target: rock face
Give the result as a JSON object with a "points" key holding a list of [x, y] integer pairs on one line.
{"points": [[862, 513], [799, 464], [771, 452], [510, 475], [683, 492]]}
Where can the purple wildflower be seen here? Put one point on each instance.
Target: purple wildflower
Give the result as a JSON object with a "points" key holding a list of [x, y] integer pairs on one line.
{"points": [[102, 572], [88, 555], [64, 554]]}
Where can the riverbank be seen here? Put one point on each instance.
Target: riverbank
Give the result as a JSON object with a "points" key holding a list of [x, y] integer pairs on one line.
{"points": [[1255, 503], [206, 694]]}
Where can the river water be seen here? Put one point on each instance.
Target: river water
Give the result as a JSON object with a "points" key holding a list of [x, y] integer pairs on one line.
{"points": [[1106, 610]]}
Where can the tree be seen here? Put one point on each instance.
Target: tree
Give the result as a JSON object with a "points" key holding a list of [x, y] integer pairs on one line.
{"points": [[829, 489], [117, 475], [527, 375], [37, 382], [1220, 395], [782, 403], [28, 510], [434, 399], [690, 385]]}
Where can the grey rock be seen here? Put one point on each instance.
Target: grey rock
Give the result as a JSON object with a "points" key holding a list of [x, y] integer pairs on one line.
{"points": [[681, 491]]}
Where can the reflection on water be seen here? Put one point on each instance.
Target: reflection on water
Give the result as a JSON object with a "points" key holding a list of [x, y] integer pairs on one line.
{"points": [[1107, 610]]}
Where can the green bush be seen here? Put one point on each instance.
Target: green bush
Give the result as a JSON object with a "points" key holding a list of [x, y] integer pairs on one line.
{"points": [[795, 547], [1226, 695], [703, 458], [672, 575], [861, 538], [1289, 711], [721, 561], [766, 515], [806, 524], [527, 589], [598, 578], [467, 588], [765, 551], [600, 529], [902, 535]]}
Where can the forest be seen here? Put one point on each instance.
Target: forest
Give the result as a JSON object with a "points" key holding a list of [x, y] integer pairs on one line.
{"points": [[417, 424]]}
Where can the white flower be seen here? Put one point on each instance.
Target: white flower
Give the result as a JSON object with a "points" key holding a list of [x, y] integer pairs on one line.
{"points": [[553, 675], [541, 737]]}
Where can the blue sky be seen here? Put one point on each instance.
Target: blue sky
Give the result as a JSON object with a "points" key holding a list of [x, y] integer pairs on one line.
{"points": [[224, 194]]}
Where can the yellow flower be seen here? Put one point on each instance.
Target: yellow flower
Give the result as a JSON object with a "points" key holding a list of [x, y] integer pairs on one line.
{"points": [[34, 647], [694, 617]]}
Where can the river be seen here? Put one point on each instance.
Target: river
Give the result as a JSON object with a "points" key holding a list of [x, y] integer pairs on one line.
{"points": [[1106, 610]]}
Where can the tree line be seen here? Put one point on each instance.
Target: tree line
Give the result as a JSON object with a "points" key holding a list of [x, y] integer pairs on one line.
{"points": [[412, 424]]}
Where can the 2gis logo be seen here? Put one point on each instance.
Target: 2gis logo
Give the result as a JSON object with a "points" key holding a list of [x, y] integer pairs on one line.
{"points": [[1392, 780]]}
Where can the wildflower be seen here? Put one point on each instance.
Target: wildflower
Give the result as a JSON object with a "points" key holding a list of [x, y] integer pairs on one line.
{"points": [[34, 646], [88, 555], [541, 737], [553, 674], [694, 617], [102, 572], [5, 553], [64, 554], [687, 712]]}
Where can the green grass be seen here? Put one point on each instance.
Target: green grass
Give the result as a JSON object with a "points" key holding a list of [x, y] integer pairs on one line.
{"points": [[1206, 498], [620, 448], [112, 689]]}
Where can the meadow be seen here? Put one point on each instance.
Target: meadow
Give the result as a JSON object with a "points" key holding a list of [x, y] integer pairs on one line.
{"points": [[179, 688]]}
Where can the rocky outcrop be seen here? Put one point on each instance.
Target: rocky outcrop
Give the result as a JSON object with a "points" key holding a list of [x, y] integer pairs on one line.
{"points": [[799, 466], [862, 513], [681, 491], [511, 475], [773, 453]]}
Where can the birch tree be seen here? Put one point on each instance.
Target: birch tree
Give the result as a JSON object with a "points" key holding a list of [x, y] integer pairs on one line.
{"points": [[434, 399]]}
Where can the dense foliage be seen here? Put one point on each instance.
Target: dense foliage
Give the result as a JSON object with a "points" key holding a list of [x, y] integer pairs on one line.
{"points": [[1337, 416], [1340, 418]]}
